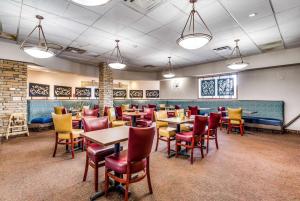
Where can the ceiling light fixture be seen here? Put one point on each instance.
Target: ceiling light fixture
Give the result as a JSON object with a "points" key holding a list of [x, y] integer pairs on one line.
{"points": [[169, 73], [240, 64], [41, 50], [117, 62], [191, 39], [91, 2], [252, 14]]}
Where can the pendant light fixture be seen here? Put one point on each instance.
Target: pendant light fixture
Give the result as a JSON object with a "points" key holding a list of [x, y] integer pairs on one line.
{"points": [[169, 73], [240, 64], [190, 39], [41, 50], [117, 62], [91, 2]]}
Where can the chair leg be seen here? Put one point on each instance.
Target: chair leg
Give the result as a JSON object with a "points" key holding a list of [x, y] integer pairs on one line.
{"points": [[176, 148], [96, 176], [148, 176], [157, 140], [242, 130], [106, 181], [207, 142], [192, 155], [127, 187], [72, 148], [86, 167], [67, 145], [201, 148], [55, 147], [169, 147], [216, 140]]}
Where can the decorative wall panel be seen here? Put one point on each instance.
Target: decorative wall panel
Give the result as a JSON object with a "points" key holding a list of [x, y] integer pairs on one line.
{"points": [[62, 91], [208, 87], [83, 92], [152, 93], [119, 93], [136, 93], [39, 90], [225, 87], [96, 92]]}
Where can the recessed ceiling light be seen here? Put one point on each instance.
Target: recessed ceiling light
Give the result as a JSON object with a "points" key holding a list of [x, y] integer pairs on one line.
{"points": [[252, 14], [91, 2]]}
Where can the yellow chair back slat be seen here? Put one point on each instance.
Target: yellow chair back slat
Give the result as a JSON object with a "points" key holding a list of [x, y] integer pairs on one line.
{"points": [[58, 109], [235, 113], [62, 122]]}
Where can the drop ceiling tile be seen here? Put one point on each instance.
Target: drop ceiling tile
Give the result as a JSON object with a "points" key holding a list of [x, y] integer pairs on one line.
{"points": [[264, 36], [289, 23], [52, 6], [146, 24], [130, 33], [280, 6], [164, 13], [109, 26]]}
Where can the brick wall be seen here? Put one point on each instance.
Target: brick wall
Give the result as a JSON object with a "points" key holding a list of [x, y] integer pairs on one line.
{"points": [[105, 87], [13, 89]]}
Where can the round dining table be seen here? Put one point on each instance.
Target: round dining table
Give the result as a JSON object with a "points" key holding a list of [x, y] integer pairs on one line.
{"points": [[134, 116]]}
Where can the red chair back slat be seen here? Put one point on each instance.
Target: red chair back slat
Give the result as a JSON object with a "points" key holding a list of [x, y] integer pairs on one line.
{"points": [[194, 110], [140, 143], [199, 125], [214, 120], [88, 112], [92, 124], [150, 113]]}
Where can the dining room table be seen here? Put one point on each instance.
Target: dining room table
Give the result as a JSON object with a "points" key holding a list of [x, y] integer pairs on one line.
{"points": [[107, 137], [134, 116], [178, 121]]}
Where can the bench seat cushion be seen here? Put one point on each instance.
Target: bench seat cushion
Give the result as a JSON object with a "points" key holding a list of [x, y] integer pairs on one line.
{"points": [[265, 121], [42, 120]]}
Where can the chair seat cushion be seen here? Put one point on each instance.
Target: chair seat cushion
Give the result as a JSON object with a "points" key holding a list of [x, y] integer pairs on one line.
{"points": [[126, 118], [118, 123], [236, 122], [161, 124], [118, 163], [167, 132], [185, 127], [144, 123], [187, 136], [66, 136], [98, 152]]}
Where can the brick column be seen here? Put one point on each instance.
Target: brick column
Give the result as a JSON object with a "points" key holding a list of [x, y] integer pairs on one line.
{"points": [[13, 90], [105, 87]]}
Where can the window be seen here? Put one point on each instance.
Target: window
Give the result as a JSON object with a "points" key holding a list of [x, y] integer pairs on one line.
{"points": [[222, 86]]}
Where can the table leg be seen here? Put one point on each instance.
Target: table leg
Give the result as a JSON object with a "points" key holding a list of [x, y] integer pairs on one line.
{"points": [[133, 121], [177, 128]]}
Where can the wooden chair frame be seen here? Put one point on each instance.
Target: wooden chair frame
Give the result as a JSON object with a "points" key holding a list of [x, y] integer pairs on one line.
{"points": [[240, 126]]}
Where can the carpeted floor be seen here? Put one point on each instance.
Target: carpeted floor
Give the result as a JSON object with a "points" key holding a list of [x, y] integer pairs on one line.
{"points": [[253, 167]]}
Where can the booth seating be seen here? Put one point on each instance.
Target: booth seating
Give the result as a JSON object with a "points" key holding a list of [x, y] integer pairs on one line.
{"points": [[264, 123]]}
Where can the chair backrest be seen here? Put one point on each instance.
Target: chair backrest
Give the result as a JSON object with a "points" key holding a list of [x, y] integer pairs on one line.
{"points": [[162, 114], [194, 110], [134, 106], [119, 111], [222, 110], [92, 124], [162, 106], [200, 125], [96, 106], [105, 111], [60, 110], [62, 122], [144, 106], [152, 106], [177, 107], [179, 113], [88, 112], [171, 114], [140, 142], [214, 120], [111, 114], [150, 113], [124, 107], [85, 107], [235, 113]]}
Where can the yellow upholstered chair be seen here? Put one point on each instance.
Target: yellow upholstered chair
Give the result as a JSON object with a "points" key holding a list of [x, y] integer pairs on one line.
{"points": [[113, 118], [162, 106], [164, 132], [59, 110], [235, 119], [64, 134], [183, 127], [124, 107]]}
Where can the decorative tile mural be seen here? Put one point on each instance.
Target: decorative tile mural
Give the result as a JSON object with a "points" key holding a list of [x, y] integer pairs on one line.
{"points": [[39, 90], [96, 92], [225, 87], [62, 91], [119, 93], [136, 93], [152, 93], [83, 92], [208, 87]]}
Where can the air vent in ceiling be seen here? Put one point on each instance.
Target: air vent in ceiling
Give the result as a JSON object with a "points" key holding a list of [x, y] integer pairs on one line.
{"points": [[75, 50], [149, 66], [143, 6], [271, 46], [223, 51]]}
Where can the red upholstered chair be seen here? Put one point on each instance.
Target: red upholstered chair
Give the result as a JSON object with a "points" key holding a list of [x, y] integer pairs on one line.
{"points": [[194, 110], [152, 106], [212, 131], [148, 118], [105, 111], [120, 115], [134, 160], [224, 119], [177, 107], [134, 106], [95, 153], [193, 139], [90, 113], [171, 114], [96, 106], [144, 106]]}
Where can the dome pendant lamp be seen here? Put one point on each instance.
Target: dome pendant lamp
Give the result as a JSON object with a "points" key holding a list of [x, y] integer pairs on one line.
{"points": [[40, 50], [190, 38], [117, 62], [169, 73], [240, 64]]}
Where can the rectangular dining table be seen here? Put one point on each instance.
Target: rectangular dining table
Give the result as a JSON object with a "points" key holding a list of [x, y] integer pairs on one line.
{"points": [[106, 137], [178, 121]]}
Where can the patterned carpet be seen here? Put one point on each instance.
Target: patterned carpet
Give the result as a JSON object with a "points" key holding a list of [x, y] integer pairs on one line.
{"points": [[253, 167]]}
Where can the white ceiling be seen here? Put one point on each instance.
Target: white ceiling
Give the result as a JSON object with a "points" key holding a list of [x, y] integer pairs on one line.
{"points": [[149, 37]]}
